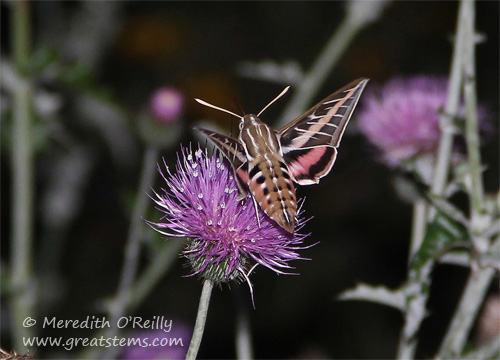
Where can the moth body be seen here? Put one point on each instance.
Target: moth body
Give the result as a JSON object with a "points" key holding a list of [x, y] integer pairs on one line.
{"points": [[269, 179], [266, 162]]}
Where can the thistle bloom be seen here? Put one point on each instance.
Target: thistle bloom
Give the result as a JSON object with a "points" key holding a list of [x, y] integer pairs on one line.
{"points": [[159, 344], [225, 237], [402, 118], [166, 105]]}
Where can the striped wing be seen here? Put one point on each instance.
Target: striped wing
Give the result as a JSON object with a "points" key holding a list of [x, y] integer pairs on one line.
{"points": [[310, 142], [234, 152]]}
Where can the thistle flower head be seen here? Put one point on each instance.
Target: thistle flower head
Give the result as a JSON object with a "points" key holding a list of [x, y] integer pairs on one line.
{"points": [[166, 105], [159, 344], [402, 118], [225, 237]]}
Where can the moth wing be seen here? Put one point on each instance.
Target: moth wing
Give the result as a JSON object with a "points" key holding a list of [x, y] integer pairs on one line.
{"points": [[310, 142], [232, 149]]}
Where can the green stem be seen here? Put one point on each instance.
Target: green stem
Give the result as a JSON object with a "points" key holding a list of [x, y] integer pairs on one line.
{"points": [[451, 108], [243, 339], [467, 310], [419, 224], [129, 268], [476, 191], [416, 296], [318, 73], [154, 272], [124, 294], [23, 287], [472, 142], [417, 299], [480, 280], [201, 318], [406, 348], [407, 341], [143, 286]]}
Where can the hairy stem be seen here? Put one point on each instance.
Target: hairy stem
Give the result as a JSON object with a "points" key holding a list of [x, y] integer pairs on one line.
{"points": [[201, 318]]}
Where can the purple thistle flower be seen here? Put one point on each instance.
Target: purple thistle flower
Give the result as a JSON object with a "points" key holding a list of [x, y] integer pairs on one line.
{"points": [[166, 105], [402, 118], [159, 344], [225, 239]]}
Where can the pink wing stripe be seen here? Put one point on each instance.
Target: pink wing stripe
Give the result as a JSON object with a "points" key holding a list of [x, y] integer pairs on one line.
{"points": [[242, 175], [305, 169]]}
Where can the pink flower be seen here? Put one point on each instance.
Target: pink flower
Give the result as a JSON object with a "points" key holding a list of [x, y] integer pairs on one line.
{"points": [[225, 238], [159, 344], [167, 104], [402, 118]]}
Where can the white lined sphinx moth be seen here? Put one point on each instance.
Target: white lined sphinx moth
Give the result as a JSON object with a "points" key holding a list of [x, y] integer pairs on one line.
{"points": [[267, 162]]}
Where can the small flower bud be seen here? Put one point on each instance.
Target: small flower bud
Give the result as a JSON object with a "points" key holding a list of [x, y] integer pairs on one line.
{"points": [[167, 104]]}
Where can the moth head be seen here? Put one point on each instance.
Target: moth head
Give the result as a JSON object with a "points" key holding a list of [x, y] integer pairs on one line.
{"points": [[250, 118]]}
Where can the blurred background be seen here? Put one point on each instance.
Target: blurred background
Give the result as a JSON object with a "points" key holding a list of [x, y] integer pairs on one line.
{"points": [[95, 67]]}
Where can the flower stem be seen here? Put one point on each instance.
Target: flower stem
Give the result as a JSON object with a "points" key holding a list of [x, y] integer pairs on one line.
{"points": [[142, 286], [417, 300], [414, 314], [479, 281], [129, 268], [124, 294], [419, 224], [476, 191], [23, 300], [353, 22], [328, 58], [157, 267], [451, 108], [201, 318], [243, 331], [467, 309]]}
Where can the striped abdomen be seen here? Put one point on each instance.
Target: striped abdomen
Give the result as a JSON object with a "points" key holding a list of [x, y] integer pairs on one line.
{"points": [[272, 188]]}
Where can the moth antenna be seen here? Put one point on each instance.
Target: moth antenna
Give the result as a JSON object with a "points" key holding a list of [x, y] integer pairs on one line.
{"points": [[276, 98], [240, 108], [217, 108]]}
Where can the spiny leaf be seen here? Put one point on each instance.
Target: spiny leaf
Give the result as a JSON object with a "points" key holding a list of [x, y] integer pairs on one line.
{"points": [[441, 234], [378, 294]]}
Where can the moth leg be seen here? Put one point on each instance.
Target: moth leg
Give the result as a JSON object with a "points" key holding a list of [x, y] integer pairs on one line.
{"points": [[256, 210], [241, 175], [242, 195]]}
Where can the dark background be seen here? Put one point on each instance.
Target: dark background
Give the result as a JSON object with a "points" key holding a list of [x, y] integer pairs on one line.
{"points": [[362, 225]]}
